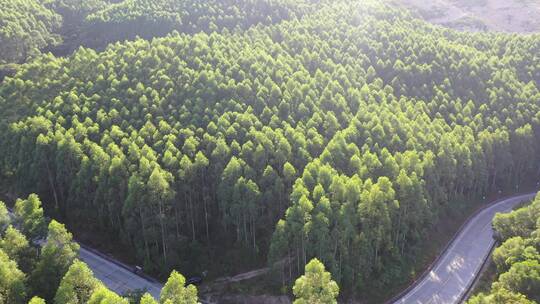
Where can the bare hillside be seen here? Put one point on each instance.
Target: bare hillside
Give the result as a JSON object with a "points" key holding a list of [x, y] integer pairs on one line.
{"points": [[519, 16]]}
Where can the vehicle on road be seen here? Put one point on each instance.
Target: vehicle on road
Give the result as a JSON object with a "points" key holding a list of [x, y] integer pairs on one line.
{"points": [[137, 270]]}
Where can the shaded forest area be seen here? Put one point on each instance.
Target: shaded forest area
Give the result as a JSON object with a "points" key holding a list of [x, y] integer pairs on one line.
{"points": [[341, 130], [39, 262], [61, 26]]}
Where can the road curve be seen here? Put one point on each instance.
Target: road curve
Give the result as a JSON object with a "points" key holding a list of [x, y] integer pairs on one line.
{"points": [[454, 272]]}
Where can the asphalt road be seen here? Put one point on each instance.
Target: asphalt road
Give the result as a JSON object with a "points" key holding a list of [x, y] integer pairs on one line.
{"points": [[446, 283], [116, 277], [452, 275]]}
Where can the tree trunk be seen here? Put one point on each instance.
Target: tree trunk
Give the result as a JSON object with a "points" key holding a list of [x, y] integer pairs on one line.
{"points": [[161, 215], [56, 204], [254, 238], [204, 205], [192, 216], [147, 249], [176, 221], [206, 220]]}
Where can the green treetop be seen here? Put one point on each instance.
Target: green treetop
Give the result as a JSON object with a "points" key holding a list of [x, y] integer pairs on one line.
{"points": [[315, 286], [77, 285], [174, 291]]}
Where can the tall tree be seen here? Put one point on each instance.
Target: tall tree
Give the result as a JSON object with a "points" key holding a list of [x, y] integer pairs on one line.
{"points": [[57, 255], [29, 215], [17, 247], [77, 285], [4, 217], [161, 194], [315, 286], [174, 291], [12, 281]]}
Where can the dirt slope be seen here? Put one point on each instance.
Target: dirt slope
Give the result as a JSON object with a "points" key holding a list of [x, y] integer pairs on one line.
{"points": [[519, 16]]}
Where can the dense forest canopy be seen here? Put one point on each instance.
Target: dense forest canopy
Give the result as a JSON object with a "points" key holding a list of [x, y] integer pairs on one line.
{"points": [[61, 26], [26, 26], [150, 18], [340, 130]]}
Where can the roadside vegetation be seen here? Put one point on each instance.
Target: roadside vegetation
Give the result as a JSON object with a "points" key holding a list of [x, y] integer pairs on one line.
{"points": [[517, 278], [336, 130], [39, 262]]}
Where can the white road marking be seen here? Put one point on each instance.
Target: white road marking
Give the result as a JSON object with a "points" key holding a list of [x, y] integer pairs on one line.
{"points": [[449, 279]]}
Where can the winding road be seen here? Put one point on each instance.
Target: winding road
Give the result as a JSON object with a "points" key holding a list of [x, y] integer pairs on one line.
{"points": [[453, 273], [446, 281]]}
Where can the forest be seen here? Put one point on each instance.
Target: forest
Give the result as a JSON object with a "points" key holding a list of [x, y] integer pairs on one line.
{"points": [[228, 134], [39, 261], [49, 270], [62, 26]]}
